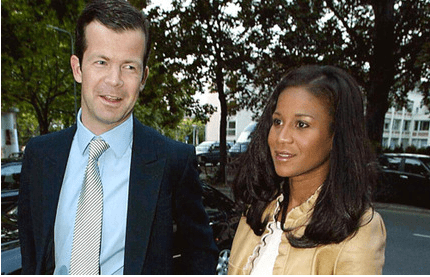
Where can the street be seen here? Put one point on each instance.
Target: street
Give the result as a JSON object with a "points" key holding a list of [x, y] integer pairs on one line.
{"points": [[408, 240]]}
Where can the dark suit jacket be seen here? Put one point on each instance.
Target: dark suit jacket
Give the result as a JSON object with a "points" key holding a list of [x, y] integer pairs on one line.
{"points": [[164, 186]]}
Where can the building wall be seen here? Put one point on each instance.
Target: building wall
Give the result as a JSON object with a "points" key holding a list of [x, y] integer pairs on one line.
{"points": [[235, 124], [407, 126]]}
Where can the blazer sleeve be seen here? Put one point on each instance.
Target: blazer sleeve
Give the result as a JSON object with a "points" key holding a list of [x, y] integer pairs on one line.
{"points": [[196, 238], [28, 249], [364, 253]]}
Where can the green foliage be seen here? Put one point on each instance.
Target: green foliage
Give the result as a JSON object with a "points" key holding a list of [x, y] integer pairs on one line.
{"points": [[186, 129], [36, 75]]}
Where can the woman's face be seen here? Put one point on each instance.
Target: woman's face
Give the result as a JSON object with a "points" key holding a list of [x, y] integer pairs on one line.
{"points": [[300, 138]]}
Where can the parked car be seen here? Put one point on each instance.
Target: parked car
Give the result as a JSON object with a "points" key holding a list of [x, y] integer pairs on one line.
{"points": [[224, 218], [222, 213], [405, 179], [10, 248], [209, 152], [10, 175], [242, 142], [13, 157]]}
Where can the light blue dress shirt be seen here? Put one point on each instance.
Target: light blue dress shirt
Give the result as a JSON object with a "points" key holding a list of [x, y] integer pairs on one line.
{"points": [[114, 166]]}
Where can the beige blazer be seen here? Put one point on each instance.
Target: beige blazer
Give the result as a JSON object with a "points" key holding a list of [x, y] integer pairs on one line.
{"points": [[363, 253]]}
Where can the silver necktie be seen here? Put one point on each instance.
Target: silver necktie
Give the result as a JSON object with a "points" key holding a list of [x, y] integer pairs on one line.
{"points": [[85, 258]]}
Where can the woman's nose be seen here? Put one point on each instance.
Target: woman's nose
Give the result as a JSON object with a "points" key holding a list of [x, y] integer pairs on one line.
{"points": [[285, 135]]}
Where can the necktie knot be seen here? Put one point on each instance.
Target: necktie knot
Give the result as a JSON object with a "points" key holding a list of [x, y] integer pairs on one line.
{"points": [[97, 147]]}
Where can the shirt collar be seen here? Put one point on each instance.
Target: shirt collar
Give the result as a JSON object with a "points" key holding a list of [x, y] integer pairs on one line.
{"points": [[119, 138]]}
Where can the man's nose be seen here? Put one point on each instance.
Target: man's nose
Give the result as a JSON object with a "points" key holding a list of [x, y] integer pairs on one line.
{"points": [[114, 77]]}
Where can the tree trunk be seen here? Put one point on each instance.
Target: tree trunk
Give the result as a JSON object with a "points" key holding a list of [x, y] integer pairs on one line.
{"points": [[223, 120], [381, 69]]}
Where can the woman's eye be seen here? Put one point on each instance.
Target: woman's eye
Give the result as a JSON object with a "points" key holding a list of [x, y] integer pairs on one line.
{"points": [[302, 124], [277, 122]]}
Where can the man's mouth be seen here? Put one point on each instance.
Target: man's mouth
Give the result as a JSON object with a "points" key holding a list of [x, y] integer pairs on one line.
{"points": [[111, 98]]}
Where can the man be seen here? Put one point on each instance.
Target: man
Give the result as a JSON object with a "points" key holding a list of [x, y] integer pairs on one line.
{"points": [[142, 181]]}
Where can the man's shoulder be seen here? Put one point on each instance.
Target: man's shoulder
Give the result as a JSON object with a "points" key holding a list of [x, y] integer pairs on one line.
{"points": [[52, 139], [158, 139]]}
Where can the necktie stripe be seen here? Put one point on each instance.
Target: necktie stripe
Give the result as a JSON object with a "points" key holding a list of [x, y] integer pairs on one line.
{"points": [[85, 258]]}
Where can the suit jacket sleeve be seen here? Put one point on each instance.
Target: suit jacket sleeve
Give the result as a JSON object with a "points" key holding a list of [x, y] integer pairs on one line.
{"points": [[28, 249], [194, 233]]}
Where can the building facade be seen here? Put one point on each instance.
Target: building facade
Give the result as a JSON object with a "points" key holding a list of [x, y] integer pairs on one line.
{"points": [[407, 126]]}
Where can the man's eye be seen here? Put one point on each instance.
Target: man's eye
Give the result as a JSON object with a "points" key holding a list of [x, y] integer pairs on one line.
{"points": [[101, 62], [130, 67]]}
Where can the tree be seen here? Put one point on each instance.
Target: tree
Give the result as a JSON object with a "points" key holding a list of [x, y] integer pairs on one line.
{"points": [[196, 41], [36, 75], [384, 44]]}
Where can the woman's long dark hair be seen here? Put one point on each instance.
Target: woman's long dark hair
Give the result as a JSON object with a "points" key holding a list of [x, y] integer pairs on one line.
{"points": [[345, 194]]}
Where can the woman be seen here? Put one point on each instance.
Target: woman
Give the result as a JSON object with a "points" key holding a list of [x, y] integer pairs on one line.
{"points": [[306, 182]]}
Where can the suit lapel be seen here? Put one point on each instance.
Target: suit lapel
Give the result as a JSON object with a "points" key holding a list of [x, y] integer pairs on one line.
{"points": [[146, 173], [55, 166]]}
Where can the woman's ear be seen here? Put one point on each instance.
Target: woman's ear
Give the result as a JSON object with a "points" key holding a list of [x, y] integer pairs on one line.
{"points": [[76, 68]]}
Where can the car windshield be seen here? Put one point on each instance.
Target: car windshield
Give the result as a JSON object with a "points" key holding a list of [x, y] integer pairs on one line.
{"points": [[10, 169], [204, 146], [245, 135]]}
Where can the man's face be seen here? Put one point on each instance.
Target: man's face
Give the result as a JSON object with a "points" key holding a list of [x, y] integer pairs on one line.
{"points": [[112, 75]]}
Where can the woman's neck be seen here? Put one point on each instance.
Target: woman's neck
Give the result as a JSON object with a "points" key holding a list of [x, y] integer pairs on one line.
{"points": [[301, 190]]}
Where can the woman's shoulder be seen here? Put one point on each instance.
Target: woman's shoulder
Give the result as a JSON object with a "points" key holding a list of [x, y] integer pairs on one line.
{"points": [[363, 252], [371, 220]]}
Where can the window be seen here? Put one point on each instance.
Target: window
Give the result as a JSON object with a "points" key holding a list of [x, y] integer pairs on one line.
{"points": [[390, 162], [424, 125], [396, 124], [414, 166], [406, 125], [10, 176], [231, 128], [387, 124]]}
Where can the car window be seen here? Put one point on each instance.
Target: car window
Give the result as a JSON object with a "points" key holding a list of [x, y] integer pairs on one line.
{"points": [[426, 161], [10, 175], [391, 163], [414, 166]]}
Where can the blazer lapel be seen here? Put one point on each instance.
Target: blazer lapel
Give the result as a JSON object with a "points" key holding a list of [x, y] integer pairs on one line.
{"points": [[146, 173], [55, 167]]}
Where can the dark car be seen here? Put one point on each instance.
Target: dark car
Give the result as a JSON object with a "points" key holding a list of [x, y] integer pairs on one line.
{"points": [[10, 249], [222, 213], [209, 152], [10, 175], [223, 218], [405, 179]]}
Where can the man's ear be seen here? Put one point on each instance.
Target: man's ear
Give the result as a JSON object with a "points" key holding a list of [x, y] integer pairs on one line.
{"points": [[145, 76], [76, 68]]}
